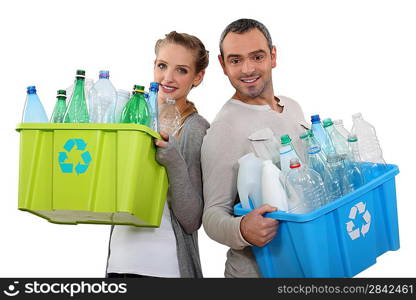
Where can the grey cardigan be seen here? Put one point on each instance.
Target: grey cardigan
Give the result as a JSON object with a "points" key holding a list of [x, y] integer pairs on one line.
{"points": [[182, 160]]}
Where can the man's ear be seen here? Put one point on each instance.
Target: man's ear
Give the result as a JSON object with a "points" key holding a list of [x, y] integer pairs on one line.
{"points": [[221, 60], [274, 56]]}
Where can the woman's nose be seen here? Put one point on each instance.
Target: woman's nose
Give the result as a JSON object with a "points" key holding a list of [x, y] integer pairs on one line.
{"points": [[168, 76]]}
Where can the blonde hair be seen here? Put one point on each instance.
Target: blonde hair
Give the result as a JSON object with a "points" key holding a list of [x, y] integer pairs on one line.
{"points": [[189, 42]]}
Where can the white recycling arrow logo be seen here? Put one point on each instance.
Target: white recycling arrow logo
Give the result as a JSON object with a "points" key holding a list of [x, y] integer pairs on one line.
{"points": [[353, 232]]}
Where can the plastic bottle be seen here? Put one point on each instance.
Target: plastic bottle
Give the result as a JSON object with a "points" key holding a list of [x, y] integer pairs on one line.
{"points": [[369, 170], [249, 181], [317, 162], [303, 150], [340, 143], [272, 191], [338, 170], [169, 117], [136, 109], [305, 189], [77, 111], [368, 143], [88, 84], [60, 107], [102, 100], [287, 152], [339, 126], [153, 105], [122, 98], [322, 136], [33, 112]]}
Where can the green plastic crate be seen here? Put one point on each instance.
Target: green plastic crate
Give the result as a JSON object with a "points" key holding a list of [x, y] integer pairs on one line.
{"points": [[91, 173]]}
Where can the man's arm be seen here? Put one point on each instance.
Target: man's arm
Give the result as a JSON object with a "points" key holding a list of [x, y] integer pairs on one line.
{"points": [[220, 152]]}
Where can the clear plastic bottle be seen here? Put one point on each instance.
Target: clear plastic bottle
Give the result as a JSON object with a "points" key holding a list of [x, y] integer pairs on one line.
{"points": [[169, 117], [369, 170], [287, 152], [339, 126], [305, 189], [317, 162], [337, 167], [33, 112], [77, 111], [368, 144], [60, 107], [322, 136], [122, 98], [272, 190], [340, 143], [153, 105], [303, 150], [102, 100]]}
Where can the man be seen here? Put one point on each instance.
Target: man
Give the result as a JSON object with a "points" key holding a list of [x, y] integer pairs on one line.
{"points": [[247, 58]]}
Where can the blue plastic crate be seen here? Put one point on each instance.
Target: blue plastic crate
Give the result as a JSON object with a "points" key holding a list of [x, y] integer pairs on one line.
{"points": [[340, 239]]}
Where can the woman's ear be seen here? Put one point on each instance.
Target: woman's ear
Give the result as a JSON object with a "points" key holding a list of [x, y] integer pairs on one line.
{"points": [[198, 78]]}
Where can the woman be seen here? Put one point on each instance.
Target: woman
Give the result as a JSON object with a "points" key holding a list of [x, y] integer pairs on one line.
{"points": [[172, 249]]}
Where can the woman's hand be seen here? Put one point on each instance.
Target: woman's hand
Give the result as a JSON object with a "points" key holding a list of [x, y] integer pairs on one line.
{"points": [[162, 143]]}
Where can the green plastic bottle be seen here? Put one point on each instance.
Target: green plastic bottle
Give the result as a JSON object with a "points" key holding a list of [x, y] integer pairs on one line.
{"points": [[136, 109], [77, 111], [60, 107]]}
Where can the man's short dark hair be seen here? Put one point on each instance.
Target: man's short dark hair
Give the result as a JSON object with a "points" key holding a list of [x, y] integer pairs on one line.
{"points": [[244, 25]]}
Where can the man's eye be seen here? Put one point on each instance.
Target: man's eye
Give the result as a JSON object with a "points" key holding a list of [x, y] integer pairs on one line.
{"points": [[161, 66], [235, 61], [258, 57]]}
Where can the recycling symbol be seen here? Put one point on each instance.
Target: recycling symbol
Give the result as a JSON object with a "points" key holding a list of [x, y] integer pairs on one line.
{"points": [[75, 154], [358, 216]]}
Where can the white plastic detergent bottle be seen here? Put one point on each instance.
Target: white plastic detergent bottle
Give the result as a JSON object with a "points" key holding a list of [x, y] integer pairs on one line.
{"points": [[272, 191], [249, 181]]}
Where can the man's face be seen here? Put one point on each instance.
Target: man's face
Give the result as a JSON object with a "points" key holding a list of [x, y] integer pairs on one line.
{"points": [[248, 63]]}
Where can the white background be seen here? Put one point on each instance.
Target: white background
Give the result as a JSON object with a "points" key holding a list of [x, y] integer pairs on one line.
{"points": [[334, 57]]}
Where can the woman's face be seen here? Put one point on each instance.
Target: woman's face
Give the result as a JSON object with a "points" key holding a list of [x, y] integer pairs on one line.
{"points": [[174, 70]]}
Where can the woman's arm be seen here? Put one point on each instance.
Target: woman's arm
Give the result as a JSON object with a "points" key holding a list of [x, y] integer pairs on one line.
{"points": [[185, 176]]}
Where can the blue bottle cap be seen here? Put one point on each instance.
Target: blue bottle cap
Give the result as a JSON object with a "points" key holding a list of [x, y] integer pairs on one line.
{"points": [[104, 74], [154, 86], [31, 89], [315, 119]]}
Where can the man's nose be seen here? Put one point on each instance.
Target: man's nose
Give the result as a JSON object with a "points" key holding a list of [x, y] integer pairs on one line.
{"points": [[248, 67]]}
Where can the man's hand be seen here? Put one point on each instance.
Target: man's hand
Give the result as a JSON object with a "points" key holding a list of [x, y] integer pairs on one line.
{"points": [[256, 229]]}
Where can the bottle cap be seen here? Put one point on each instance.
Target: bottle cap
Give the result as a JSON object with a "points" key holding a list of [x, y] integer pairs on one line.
{"points": [[104, 74], [338, 122], [352, 138], [357, 116], [61, 93], [31, 89], [328, 122], [294, 163], [315, 119], [80, 74], [304, 135], [138, 88], [310, 132], [285, 139], [154, 86]]}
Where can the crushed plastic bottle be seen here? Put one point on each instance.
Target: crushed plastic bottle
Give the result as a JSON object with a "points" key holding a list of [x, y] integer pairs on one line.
{"points": [[102, 100]]}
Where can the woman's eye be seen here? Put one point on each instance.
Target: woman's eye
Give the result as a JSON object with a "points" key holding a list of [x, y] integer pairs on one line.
{"points": [[183, 70], [161, 66]]}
